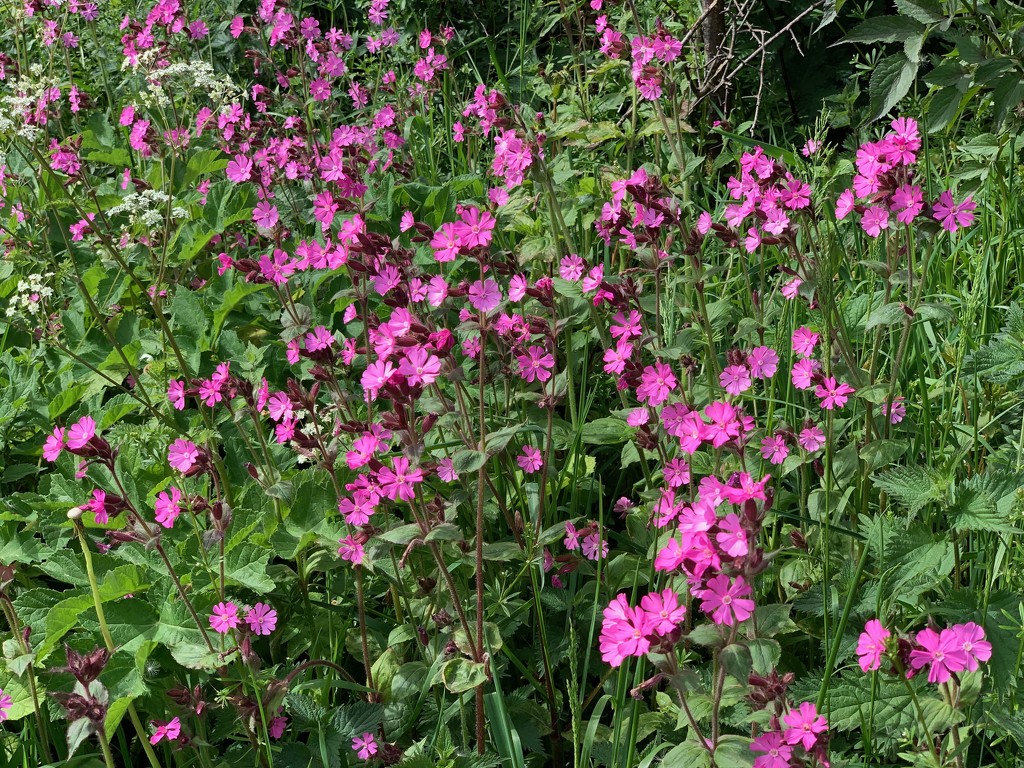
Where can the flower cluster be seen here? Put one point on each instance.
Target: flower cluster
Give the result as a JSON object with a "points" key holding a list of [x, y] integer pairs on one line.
{"points": [[958, 648]]}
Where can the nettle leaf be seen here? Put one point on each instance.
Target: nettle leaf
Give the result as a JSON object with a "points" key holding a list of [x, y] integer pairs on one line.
{"points": [[924, 11], [975, 510], [891, 81], [884, 29], [913, 487], [246, 566]]}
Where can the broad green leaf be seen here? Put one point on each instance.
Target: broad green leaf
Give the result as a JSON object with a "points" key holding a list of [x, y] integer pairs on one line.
{"points": [[890, 82], [884, 29], [460, 675]]}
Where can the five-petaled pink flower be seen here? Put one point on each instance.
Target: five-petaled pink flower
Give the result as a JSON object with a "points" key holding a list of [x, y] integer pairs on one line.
{"points": [[182, 455], [777, 752], [6, 702], [624, 631], [871, 645], [81, 433], [364, 746], [351, 550], [972, 642], [943, 652], [656, 383], [726, 600], [833, 395], [224, 617], [951, 215], [262, 619], [536, 364], [54, 444], [803, 725], [530, 460]]}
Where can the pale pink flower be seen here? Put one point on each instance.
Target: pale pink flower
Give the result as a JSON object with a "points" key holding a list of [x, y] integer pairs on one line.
{"points": [[774, 449], [804, 341], [763, 362], [735, 379], [182, 455], [811, 438], [951, 215], [364, 746]]}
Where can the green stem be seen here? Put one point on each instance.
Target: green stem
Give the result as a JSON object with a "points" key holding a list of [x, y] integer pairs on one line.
{"points": [[75, 514]]}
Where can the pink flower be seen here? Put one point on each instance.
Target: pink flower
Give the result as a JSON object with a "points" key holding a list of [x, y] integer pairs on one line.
{"points": [[571, 268], [536, 364], [530, 460], [723, 425], [262, 619], [726, 600], [224, 617], [182, 455], [845, 204], [972, 642], [350, 550], [896, 411], [763, 362], [777, 752], [731, 537], [419, 367], [446, 471], [833, 395], [663, 611], [804, 341], [54, 444], [376, 375], [594, 547], [803, 725], [907, 202], [803, 373], [615, 359], [874, 220], [484, 295], [169, 731], [6, 702], [811, 438], [364, 746], [239, 169], [476, 228], [791, 289], [398, 483], [943, 652], [624, 631], [265, 215], [176, 394], [871, 645], [735, 379], [167, 507], [656, 383], [953, 215], [81, 433], [774, 449], [277, 726]]}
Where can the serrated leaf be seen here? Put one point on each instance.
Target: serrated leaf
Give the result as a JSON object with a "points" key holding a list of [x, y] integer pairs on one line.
{"points": [[924, 11], [246, 566], [913, 487], [884, 29], [891, 81], [975, 510]]}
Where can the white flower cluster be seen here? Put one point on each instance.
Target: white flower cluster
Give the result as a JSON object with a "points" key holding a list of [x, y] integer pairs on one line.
{"points": [[27, 91], [148, 207], [28, 298], [195, 75]]}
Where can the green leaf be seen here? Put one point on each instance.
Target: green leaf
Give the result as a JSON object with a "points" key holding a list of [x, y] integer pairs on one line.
{"points": [[913, 487], [890, 82], [924, 11], [606, 431], [460, 675], [884, 29], [975, 510], [247, 566]]}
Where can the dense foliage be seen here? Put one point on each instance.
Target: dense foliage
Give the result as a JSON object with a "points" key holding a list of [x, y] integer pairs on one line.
{"points": [[411, 385]]}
